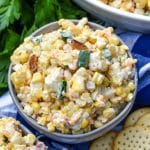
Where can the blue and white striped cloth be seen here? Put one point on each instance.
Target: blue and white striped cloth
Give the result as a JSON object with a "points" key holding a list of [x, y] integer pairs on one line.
{"points": [[139, 44]]}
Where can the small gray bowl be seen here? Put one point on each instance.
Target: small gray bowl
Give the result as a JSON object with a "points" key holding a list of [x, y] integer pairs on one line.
{"points": [[70, 138]]}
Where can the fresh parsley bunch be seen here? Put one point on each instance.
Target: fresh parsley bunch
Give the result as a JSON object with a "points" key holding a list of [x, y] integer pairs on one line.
{"points": [[19, 18]]}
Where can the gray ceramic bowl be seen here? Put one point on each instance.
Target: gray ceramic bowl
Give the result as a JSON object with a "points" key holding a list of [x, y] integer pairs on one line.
{"points": [[69, 138], [116, 17]]}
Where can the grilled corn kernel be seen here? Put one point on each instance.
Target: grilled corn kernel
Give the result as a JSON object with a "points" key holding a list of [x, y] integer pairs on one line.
{"points": [[21, 57], [98, 124], [115, 81], [115, 100], [45, 110], [106, 81], [124, 47], [66, 23], [131, 86], [98, 78], [28, 109], [55, 106], [78, 85], [76, 31], [92, 39], [51, 127], [35, 106], [42, 120], [129, 97], [109, 112], [84, 123], [37, 77], [59, 44], [17, 147], [114, 40], [30, 139], [119, 91]]}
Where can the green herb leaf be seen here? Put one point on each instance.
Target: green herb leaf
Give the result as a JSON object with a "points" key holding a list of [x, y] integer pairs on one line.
{"points": [[12, 40], [70, 10], [62, 89], [4, 64], [107, 54], [66, 35], [9, 12], [83, 59], [27, 16], [44, 11], [26, 32]]}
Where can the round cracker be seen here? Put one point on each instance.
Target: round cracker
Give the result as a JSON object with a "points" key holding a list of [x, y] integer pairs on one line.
{"points": [[133, 138], [134, 117], [144, 120], [104, 142]]}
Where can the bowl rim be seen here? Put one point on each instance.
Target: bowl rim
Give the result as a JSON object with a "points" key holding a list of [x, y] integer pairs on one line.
{"points": [[116, 11], [43, 129]]}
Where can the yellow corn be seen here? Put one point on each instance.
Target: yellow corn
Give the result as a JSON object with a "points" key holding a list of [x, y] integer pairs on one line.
{"points": [[131, 86], [37, 77], [35, 106], [84, 123], [30, 139], [129, 97], [109, 112], [98, 78], [98, 124], [115, 100], [51, 127], [42, 120], [92, 39], [119, 91]]}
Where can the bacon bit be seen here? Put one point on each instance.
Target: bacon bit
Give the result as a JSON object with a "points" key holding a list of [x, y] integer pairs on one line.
{"points": [[6, 134], [77, 45], [33, 63]]}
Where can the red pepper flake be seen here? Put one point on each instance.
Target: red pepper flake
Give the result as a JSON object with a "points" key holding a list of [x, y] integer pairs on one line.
{"points": [[33, 63], [77, 45]]}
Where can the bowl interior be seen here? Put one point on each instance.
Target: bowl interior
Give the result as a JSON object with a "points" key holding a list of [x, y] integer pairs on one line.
{"points": [[45, 29]]}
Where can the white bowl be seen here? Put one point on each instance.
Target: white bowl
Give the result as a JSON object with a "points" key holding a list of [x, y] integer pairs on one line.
{"points": [[116, 17]]}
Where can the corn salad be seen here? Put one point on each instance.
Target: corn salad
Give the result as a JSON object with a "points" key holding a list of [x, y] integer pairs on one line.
{"points": [[13, 138], [134, 6], [74, 79]]}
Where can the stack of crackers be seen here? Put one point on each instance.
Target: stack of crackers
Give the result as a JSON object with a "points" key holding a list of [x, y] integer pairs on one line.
{"points": [[135, 134]]}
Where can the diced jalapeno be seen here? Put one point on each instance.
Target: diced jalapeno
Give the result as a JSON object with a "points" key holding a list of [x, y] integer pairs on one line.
{"points": [[83, 59], [107, 54], [66, 35], [61, 89]]}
